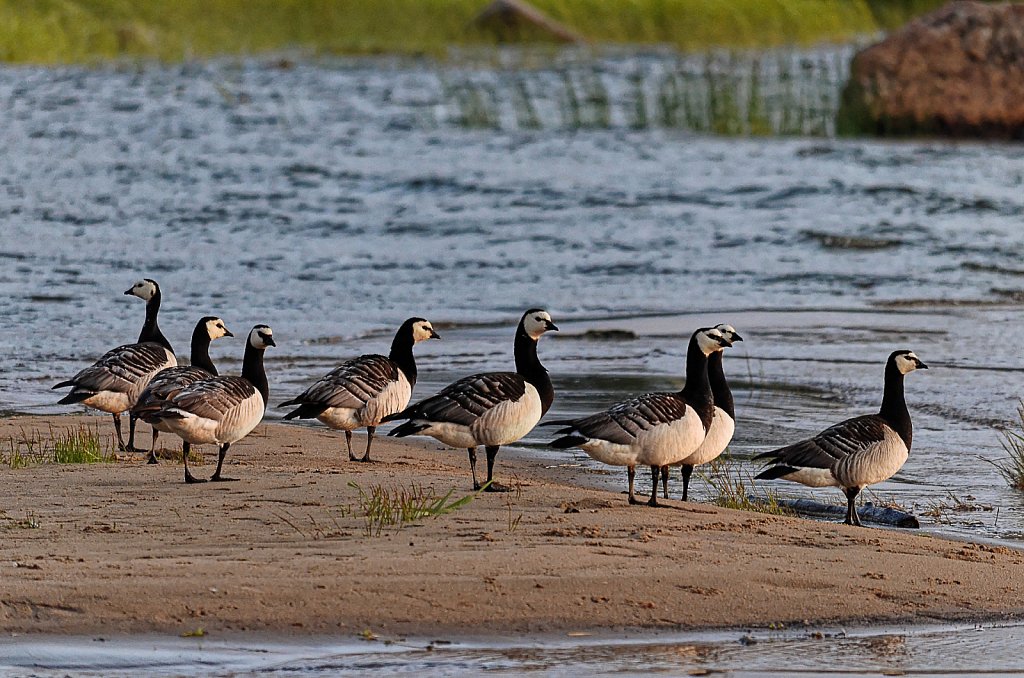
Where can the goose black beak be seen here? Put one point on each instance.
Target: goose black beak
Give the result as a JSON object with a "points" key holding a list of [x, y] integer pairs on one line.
{"points": [[269, 341], [724, 343], [434, 335], [548, 325], [128, 291], [921, 365], [227, 332], [736, 337]]}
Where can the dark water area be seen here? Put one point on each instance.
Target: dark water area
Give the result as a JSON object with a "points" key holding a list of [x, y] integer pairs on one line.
{"points": [[937, 650], [332, 200]]}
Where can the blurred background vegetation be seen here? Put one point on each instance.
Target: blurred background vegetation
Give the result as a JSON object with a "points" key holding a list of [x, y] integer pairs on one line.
{"points": [[76, 31]]}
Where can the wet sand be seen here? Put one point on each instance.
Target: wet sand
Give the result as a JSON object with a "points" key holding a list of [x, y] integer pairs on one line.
{"points": [[127, 548]]}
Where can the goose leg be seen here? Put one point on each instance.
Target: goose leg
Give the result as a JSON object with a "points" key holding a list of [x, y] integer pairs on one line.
{"points": [[631, 471], [472, 466], [217, 477], [152, 448], [687, 472], [186, 449], [851, 510], [492, 452], [655, 475], [369, 441], [132, 421], [348, 441], [664, 481], [117, 429]]}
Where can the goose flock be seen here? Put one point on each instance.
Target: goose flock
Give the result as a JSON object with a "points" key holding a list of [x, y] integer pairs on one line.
{"points": [[687, 428]]}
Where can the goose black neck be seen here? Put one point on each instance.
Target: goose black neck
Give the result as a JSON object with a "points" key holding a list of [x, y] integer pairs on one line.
{"points": [[894, 404], [401, 353], [201, 349], [150, 329], [528, 365], [697, 391], [253, 372], [719, 386]]}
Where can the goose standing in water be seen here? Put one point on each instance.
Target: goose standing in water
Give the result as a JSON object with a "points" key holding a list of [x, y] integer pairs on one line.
{"points": [[653, 429], [723, 424], [490, 409], [170, 381], [857, 452], [114, 382], [364, 390], [220, 410]]}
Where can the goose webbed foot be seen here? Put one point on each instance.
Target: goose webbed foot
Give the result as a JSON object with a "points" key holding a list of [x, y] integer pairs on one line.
{"points": [[369, 441], [497, 487], [348, 443], [634, 501], [222, 479], [191, 479], [851, 509], [152, 458]]}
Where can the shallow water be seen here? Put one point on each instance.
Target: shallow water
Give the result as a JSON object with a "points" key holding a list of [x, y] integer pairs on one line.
{"points": [[332, 200], [919, 650]]}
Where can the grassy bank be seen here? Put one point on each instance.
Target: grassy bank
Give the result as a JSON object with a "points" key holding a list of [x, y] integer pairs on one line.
{"points": [[69, 31]]}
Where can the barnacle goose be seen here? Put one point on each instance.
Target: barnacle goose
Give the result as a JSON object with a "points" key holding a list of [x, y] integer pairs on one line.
{"points": [[364, 390], [490, 409], [857, 452], [653, 429], [171, 380], [220, 410], [723, 424], [113, 383]]}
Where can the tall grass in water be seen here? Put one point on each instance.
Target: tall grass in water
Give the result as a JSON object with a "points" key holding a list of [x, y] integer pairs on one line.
{"points": [[68, 31], [1012, 469], [773, 93]]}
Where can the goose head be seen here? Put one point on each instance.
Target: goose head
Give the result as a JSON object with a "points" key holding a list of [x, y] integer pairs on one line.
{"points": [[421, 329], [906, 361], [215, 328], [145, 289], [536, 322], [261, 336], [711, 339], [729, 332]]}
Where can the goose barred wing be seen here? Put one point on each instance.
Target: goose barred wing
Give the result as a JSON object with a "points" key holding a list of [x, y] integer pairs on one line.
{"points": [[466, 400], [623, 422], [120, 368], [353, 383], [170, 381], [212, 398], [852, 436]]}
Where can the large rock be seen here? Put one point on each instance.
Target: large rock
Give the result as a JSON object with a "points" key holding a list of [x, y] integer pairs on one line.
{"points": [[958, 71]]}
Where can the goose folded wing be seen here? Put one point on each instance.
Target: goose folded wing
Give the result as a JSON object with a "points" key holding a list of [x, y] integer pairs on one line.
{"points": [[169, 382], [466, 400], [853, 436], [623, 422], [212, 398], [353, 383], [121, 367]]}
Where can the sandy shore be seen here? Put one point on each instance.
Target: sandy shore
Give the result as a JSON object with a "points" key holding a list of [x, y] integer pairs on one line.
{"points": [[128, 548]]}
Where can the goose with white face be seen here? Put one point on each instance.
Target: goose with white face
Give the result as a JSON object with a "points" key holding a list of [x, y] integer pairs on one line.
{"points": [[423, 330], [144, 289], [261, 337], [537, 323], [711, 340], [908, 362], [215, 329], [360, 392]]}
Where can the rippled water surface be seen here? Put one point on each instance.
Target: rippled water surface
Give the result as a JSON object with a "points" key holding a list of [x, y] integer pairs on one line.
{"points": [[332, 200], [920, 650]]}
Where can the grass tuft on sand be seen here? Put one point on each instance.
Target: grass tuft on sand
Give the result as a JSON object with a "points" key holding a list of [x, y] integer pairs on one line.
{"points": [[74, 445], [1012, 469]]}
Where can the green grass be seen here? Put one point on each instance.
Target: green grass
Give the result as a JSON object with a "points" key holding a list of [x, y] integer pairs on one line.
{"points": [[382, 506], [733, 487], [73, 445], [1012, 469], [84, 31]]}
